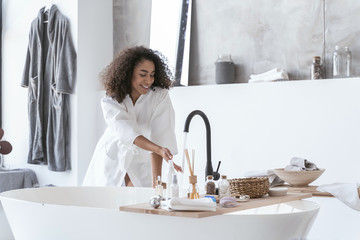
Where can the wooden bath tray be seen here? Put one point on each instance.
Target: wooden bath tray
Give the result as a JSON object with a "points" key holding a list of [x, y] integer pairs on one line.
{"points": [[252, 203], [308, 189]]}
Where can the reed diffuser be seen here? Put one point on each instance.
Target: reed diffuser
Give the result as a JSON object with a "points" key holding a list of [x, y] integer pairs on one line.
{"points": [[193, 188]]}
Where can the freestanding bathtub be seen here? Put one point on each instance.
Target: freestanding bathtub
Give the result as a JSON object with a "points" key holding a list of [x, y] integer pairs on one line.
{"points": [[93, 213]]}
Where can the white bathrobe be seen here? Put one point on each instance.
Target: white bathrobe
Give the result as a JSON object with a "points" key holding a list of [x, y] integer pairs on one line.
{"points": [[115, 154]]}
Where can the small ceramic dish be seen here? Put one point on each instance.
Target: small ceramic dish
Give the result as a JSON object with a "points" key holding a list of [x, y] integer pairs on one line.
{"points": [[243, 198], [280, 191]]}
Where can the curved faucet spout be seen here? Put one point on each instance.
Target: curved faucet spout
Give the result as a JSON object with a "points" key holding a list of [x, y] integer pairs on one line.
{"points": [[208, 168]]}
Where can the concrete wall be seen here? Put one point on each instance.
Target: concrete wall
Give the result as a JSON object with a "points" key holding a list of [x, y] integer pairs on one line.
{"points": [[131, 23], [260, 35]]}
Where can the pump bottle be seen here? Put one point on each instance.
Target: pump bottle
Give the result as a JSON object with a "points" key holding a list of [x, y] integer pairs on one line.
{"points": [[174, 187], [171, 172]]}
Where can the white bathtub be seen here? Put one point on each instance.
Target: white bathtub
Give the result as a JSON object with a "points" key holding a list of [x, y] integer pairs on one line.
{"points": [[5, 232], [93, 213]]}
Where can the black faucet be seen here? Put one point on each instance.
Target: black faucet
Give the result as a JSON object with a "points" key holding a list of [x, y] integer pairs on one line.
{"points": [[208, 168]]}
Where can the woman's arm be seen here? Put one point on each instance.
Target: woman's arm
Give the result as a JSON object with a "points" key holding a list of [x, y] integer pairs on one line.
{"points": [[158, 153], [146, 144], [156, 164]]}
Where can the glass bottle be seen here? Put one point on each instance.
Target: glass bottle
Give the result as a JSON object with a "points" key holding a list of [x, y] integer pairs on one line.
{"points": [[224, 187], [174, 187], [337, 62], [193, 191], [159, 187], [347, 58], [210, 185], [316, 69], [170, 174]]}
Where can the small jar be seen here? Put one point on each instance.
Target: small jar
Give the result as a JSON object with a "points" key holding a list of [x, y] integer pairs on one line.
{"points": [[316, 69], [210, 185], [224, 69], [224, 187]]}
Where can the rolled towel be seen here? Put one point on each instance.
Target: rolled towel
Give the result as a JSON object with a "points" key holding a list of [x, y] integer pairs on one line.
{"points": [[272, 75], [347, 193], [300, 164], [185, 204], [264, 74], [274, 180], [255, 80]]}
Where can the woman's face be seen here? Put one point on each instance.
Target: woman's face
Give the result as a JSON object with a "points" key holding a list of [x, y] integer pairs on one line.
{"points": [[142, 78]]}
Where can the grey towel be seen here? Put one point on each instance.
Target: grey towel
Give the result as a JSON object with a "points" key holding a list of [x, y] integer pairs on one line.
{"points": [[273, 178], [17, 178], [300, 164]]}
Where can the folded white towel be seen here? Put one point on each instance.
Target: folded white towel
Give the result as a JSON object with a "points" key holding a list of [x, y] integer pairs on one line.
{"points": [[274, 180], [185, 204], [300, 164], [268, 73], [345, 192], [275, 74]]}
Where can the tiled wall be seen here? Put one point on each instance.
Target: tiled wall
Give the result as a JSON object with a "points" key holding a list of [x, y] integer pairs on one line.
{"points": [[259, 34]]}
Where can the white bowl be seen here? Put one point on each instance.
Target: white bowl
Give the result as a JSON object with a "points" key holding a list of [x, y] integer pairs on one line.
{"points": [[299, 178], [279, 191]]}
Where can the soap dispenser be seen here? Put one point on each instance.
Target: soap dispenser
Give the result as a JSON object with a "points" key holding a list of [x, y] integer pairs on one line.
{"points": [[171, 172], [174, 187]]}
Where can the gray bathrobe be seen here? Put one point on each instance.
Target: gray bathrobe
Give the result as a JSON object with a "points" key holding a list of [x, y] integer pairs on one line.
{"points": [[49, 74]]}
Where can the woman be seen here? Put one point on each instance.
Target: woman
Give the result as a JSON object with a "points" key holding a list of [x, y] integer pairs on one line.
{"points": [[140, 121]]}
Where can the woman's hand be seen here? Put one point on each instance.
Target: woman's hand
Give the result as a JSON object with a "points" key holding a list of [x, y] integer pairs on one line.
{"points": [[167, 155], [158, 153], [177, 168]]}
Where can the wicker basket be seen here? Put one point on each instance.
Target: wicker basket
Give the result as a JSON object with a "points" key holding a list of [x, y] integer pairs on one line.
{"points": [[254, 187]]}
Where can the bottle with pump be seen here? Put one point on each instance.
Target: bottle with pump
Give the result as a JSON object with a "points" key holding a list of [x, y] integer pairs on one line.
{"points": [[224, 187], [159, 188], [174, 187], [171, 172]]}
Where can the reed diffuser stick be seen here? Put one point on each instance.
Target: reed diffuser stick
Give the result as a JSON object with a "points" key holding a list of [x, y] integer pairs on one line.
{"points": [[193, 179], [193, 159], [188, 160]]}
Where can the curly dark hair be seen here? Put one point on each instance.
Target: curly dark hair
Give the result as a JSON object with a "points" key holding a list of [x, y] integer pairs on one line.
{"points": [[116, 77]]}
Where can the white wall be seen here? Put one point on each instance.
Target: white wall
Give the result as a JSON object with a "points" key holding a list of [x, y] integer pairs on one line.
{"points": [[91, 30], [261, 126], [95, 51]]}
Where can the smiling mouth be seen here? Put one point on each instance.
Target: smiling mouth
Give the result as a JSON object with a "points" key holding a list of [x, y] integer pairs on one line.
{"points": [[146, 87]]}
